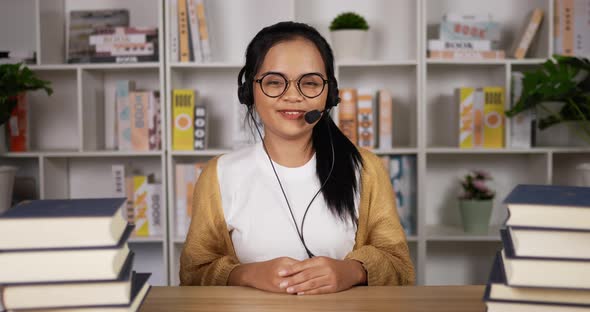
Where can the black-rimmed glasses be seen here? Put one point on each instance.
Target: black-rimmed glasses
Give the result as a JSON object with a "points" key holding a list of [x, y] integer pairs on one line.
{"points": [[274, 85]]}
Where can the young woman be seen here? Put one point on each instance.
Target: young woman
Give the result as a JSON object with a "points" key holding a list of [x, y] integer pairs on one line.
{"points": [[305, 211]]}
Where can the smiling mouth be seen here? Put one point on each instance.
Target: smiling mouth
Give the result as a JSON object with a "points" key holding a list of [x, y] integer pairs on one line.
{"points": [[292, 114]]}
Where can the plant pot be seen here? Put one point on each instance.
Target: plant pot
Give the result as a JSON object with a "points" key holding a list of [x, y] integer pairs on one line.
{"points": [[7, 174], [563, 134], [349, 44], [475, 215], [585, 173]]}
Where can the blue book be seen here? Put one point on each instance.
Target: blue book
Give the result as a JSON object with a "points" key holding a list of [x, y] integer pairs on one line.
{"points": [[498, 292], [543, 272], [63, 223], [549, 206], [59, 294]]}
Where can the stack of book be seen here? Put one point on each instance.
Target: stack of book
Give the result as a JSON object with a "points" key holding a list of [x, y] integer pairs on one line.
{"points": [[189, 31], [68, 255], [99, 36], [466, 37], [545, 262]]}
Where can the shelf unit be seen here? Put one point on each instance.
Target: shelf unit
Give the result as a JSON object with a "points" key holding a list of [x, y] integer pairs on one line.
{"points": [[67, 158]]}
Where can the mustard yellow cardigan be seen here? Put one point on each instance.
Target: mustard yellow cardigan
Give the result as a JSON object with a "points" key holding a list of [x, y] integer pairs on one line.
{"points": [[208, 255]]}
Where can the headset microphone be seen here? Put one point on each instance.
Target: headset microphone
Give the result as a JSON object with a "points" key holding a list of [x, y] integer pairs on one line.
{"points": [[313, 116]]}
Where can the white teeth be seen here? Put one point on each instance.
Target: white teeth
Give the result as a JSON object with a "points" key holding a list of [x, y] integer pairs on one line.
{"points": [[292, 113]]}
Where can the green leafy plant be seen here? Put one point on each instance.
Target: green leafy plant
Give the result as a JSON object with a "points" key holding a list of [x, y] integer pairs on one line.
{"points": [[14, 79], [561, 79], [349, 20], [474, 186]]}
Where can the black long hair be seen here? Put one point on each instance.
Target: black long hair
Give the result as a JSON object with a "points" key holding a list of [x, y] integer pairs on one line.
{"points": [[341, 188]]}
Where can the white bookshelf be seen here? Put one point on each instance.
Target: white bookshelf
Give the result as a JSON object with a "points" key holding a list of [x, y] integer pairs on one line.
{"points": [[67, 159]]}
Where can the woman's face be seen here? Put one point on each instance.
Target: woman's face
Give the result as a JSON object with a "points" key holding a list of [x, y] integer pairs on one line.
{"points": [[283, 115]]}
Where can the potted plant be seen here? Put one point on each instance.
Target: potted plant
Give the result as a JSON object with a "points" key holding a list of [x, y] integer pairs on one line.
{"points": [[476, 202], [349, 35], [559, 94], [15, 80]]}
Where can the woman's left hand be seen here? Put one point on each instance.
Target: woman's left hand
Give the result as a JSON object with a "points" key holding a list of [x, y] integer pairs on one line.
{"points": [[321, 275]]}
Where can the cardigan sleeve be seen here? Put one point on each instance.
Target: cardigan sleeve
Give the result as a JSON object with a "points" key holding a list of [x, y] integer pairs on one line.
{"points": [[208, 257], [382, 248]]}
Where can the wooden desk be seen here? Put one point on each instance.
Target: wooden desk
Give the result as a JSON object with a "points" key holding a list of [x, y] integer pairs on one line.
{"points": [[419, 298]]}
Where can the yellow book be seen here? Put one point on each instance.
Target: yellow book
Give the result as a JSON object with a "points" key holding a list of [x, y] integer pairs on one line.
{"points": [[183, 109], [140, 185], [493, 131], [466, 98]]}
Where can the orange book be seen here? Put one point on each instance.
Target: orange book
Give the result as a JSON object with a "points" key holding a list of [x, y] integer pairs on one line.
{"points": [[524, 42], [468, 55], [366, 119], [185, 50], [347, 114], [18, 125]]}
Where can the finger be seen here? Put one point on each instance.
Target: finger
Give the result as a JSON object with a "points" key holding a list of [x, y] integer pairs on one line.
{"points": [[298, 267], [301, 277], [320, 290], [308, 285]]}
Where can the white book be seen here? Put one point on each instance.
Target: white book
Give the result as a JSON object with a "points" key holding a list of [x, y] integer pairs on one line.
{"points": [[193, 23], [367, 130], [119, 187], [174, 31], [203, 30], [451, 45], [467, 18], [180, 211]]}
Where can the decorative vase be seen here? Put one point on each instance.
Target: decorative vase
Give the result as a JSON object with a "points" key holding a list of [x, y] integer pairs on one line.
{"points": [[349, 44], [585, 170], [476, 215], [7, 174]]}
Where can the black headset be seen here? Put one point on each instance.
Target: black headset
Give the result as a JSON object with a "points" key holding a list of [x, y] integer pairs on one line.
{"points": [[246, 97]]}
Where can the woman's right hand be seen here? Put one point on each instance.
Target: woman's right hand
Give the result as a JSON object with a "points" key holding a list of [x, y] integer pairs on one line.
{"points": [[261, 275]]}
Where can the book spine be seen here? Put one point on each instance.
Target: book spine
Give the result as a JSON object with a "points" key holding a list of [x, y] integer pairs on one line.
{"points": [[487, 30], [18, 125], [200, 127], [471, 45], [123, 114], [117, 38], [385, 119], [190, 180], [125, 49], [521, 124], [557, 26], [183, 107], [118, 175], [183, 31], [347, 115], [403, 180], [174, 31], [139, 120], [130, 203], [467, 55], [493, 131], [466, 18], [180, 211], [466, 97], [581, 33], [478, 118], [568, 25], [529, 34], [140, 197], [203, 31], [155, 211], [194, 31], [153, 112], [366, 119]]}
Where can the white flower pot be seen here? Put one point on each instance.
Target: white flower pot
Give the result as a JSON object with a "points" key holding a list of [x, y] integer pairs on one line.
{"points": [[7, 174], [349, 44], [585, 172]]}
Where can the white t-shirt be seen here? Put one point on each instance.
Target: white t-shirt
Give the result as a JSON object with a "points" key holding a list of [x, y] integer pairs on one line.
{"points": [[257, 215]]}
